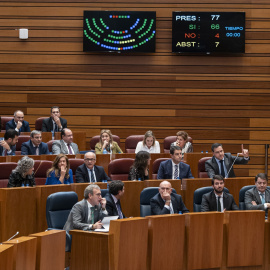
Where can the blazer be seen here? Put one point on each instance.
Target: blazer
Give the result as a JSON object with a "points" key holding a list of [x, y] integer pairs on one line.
{"points": [[52, 179], [59, 147], [12, 125], [16, 180], [115, 148], [212, 168], [82, 175], [209, 202], [165, 170], [157, 205], [111, 206], [47, 124], [27, 148], [13, 149], [78, 216], [253, 195]]}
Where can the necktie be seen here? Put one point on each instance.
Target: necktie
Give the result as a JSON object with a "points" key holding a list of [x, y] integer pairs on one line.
{"points": [[120, 214], [92, 215], [5, 152], [222, 172], [219, 204], [55, 127], [69, 150], [175, 176], [92, 176], [262, 198], [36, 150]]}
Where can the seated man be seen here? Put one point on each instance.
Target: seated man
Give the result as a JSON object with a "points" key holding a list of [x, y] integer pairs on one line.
{"points": [[258, 198], [217, 200], [166, 202], [88, 213], [174, 168], [8, 145], [35, 146], [66, 145], [54, 123], [89, 172], [18, 123], [221, 163], [116, 191]]}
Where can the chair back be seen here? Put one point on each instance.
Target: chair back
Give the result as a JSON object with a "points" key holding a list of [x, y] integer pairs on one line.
{"points": [[94, 140], [40, 170], [169, 140], [242, 192], [5, 171], [198, 194], [74, 164], [58, 207], [155, 166], [4, 120], [131, 142], [21, 140], [202, 173], [118, 169], [38, 123], [104, 192], [49, 143]]}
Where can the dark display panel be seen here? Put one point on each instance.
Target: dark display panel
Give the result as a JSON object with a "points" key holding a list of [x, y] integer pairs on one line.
{"points": [[119, 31], [208, 32]]}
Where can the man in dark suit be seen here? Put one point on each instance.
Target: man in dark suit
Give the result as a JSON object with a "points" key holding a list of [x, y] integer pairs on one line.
{"points": [[88, 213], [166, 202], [35, 146], [221, 163], [217, 200], [66, 145], [54, 123], [174, 168], [8, 145], [258, 198], [113, 205], [18, 123], [89, 172]]}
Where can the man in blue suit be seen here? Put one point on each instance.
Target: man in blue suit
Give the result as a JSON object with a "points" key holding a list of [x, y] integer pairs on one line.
{"points": [[174, 168], [18, 123], [35, 146]]}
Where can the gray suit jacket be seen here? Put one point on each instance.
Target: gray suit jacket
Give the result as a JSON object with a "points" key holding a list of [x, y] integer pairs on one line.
{"points": [[78, 216], [253, 195], [59, 147]]}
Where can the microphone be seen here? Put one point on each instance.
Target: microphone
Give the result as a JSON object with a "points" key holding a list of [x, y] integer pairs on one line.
{"points": [[11, 237], [231, 166]]}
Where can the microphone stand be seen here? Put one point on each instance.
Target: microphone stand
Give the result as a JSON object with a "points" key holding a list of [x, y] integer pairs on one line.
{"points": [[231, 166]]}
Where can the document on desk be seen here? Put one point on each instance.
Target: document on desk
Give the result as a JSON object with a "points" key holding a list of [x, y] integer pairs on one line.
{"points": [[106, 223]]}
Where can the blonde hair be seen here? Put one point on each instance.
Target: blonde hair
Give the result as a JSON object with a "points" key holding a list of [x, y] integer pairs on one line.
{"points": [[147, 134]]}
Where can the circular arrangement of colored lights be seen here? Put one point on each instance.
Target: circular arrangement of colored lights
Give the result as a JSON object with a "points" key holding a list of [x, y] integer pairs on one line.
{"points": [[106, 32]]}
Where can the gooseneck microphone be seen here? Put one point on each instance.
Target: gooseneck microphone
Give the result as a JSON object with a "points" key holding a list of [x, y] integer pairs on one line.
{"points": [[231, 166], [11, 237]]}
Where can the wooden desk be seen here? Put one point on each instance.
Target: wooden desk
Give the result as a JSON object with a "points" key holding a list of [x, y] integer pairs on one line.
{"points": [[50, 250], [166, 242], [6, 257], [24, 257], [17, 211]]}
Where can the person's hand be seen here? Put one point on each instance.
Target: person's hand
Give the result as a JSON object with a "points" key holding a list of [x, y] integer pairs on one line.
{"points": [[254, 203], [57, 121], [97, 225], [244, 152], [62, 174], [166, 196], [19, 125], [224, 210], [5, 145], [268, 205], [103, 203], [105, 143]]}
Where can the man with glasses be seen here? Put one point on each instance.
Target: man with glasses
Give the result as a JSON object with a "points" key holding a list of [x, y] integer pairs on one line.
{"points": [[89, 172], [166, 202], [88, 213], [258, 198], [174, 168]]}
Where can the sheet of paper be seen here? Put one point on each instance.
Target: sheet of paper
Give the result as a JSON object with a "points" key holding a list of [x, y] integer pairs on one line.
{"points": [[106, 223]]}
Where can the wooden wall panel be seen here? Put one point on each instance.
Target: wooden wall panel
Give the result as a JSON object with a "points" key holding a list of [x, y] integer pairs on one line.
{"points": [[213, 97]]}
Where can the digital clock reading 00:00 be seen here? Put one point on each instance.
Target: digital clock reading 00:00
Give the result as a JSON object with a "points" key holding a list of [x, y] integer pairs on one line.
{"points": [[207, 32]]}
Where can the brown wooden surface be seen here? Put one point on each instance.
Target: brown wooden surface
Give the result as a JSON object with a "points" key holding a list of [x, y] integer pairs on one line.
{"points": [[202, 232], [6, 256], [128, 247], [50, 250], [24, 253], [166, 240], [18, 211], [42, 193]]}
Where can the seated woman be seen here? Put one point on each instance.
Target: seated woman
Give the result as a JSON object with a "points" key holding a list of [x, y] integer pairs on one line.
{"points": [[149, 143], [60, 173], [139, 170], [182, 141], [22, 175], [106, 144]]}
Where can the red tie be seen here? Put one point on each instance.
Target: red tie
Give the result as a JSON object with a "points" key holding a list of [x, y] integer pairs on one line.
{"points": [[69, 149]]}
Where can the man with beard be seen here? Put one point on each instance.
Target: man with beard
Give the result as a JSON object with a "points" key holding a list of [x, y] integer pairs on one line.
{"points": [[217, 200]]}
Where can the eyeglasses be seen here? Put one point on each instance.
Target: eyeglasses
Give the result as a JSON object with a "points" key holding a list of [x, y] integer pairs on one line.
{"points": [[89, 159]]}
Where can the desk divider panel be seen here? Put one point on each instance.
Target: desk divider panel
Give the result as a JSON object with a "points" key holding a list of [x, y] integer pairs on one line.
{"points": [[6, 257]]}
